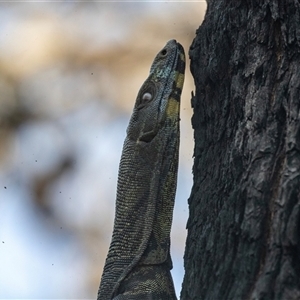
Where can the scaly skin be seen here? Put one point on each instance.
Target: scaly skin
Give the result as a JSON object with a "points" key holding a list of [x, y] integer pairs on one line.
{"points": [[138, 263]]}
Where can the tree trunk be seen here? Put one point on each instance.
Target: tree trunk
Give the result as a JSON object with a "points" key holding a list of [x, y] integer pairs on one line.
{"points": [[243, 230]]}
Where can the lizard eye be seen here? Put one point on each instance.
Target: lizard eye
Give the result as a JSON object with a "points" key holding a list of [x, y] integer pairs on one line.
{"points": [[146, 95]]}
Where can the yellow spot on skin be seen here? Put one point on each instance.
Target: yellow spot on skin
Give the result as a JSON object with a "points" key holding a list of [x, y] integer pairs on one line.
{"points": [[172, 108], [182, 56], [180, 80]]}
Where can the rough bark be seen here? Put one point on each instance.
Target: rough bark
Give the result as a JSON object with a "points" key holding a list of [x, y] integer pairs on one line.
{"points": [[243, 230]]}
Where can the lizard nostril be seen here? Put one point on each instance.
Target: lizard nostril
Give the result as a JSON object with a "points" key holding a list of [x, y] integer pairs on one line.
{"points": [[164, 52]]}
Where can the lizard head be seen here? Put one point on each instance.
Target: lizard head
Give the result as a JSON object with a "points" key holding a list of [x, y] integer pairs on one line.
{"points": [[158, 101]]}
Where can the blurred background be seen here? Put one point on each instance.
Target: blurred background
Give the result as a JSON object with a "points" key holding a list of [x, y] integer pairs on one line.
{"points": [[69, 76]]}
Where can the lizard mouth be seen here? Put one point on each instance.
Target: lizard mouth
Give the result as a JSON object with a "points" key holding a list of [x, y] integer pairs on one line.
{"points": [[147, 137]]}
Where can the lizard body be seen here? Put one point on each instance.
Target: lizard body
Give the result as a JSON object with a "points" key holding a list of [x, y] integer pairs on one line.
{"points": [[138, 263]]}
